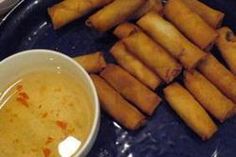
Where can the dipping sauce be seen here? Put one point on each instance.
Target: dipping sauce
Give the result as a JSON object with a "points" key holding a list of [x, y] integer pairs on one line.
{"points": [[44, 113]]}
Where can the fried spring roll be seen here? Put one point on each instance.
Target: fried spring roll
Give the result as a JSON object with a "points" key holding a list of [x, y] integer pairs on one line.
{"points": [[125, 29], [153, 56], [209, 96], [92, 63], [226, 43], [150, 5], [134, 66], [190, 23], [164, 33], [116, 106], [70, 10], [113, 14], [190, 111], [221, 77], [134, 91], [213, 17]]}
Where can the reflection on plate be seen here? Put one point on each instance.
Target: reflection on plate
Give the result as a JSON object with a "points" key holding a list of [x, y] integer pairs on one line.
{"points": [[165, 135]]}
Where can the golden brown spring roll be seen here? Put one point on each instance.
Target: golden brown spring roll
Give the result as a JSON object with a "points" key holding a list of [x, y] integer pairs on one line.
{"points": [[221, 77], [213, 17], [190, 111], [125, 29], [209, 96], [150, 5], [190, 23], [129, 87], [164, 33], [226, 43], [70, 10], [153, 55], [116, 106], [93, 62], [113, 14], [134, 66]]}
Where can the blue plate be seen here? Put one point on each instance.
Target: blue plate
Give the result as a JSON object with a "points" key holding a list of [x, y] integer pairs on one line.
{"points": [[165, 135]]}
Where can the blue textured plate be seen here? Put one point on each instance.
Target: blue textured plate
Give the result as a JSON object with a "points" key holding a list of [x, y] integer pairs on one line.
{"points": [[165, 135]]}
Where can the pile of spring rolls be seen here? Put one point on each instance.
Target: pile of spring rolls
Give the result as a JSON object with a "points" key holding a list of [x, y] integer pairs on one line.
{"points": [[163, 41]]}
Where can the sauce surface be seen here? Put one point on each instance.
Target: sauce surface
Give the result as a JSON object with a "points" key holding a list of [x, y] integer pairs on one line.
{"points": [[45, 114]]}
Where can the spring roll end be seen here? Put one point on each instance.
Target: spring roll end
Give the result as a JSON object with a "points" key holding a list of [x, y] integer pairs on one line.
{"points": [[219, 20], [135, 125], [229, 114], [92, 63], [226, 44], [209, 135], [89, 23], [60, 16], [153, 106], [94, 22], [125, 30], [171, 75], [55, 21], [190, 66], [211, 44], [102, 61], [140, 124]]}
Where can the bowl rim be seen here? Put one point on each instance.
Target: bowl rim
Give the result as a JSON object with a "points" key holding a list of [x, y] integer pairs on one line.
{"points": [[96, 122], [8, 6]]}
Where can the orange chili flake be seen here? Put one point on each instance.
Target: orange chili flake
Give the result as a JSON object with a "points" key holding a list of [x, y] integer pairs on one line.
{"points": [[61, 124], [22, 101], [19, 87], [49, 140], [24, 95], [46, 152]]}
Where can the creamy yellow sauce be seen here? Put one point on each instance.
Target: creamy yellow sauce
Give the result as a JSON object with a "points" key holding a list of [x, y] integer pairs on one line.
{"points": [[44, 114]]}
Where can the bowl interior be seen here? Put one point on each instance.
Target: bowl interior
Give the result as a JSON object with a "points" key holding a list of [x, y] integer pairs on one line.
{"points": [[27, 61]]}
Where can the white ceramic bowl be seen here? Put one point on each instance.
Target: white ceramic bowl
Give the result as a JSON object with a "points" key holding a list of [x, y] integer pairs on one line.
{"points": [[6, 5], [14, 66]]}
